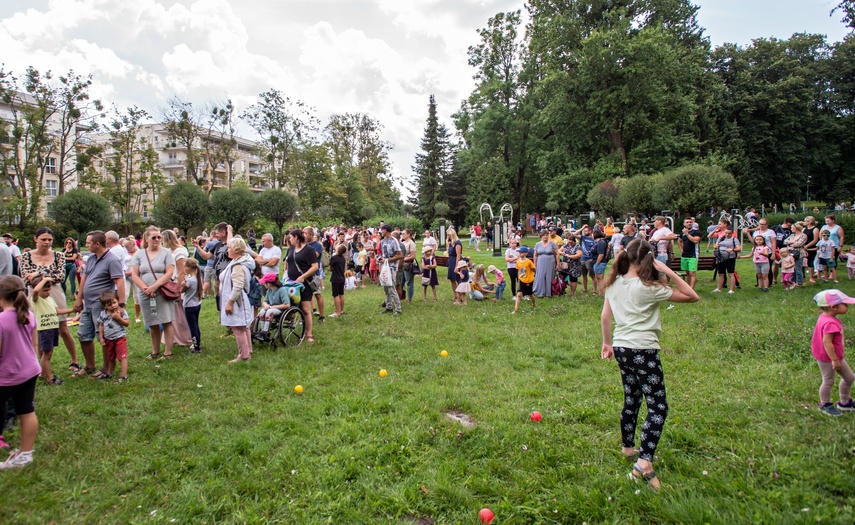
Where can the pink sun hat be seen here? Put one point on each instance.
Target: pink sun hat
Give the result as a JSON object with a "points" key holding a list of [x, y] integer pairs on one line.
{"points": [[832, 297]]}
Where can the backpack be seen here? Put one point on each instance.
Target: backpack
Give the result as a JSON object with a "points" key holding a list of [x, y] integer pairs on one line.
{"points": [[609, 252], [558, 287], [256, 292], [325, 259]]}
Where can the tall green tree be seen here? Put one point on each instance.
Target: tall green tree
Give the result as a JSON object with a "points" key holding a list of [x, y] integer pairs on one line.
{"points": [[133, 170], [285, 126], [777, 107], [847, 9], [183, 121], [495, 121], [432, 165], [30, 146], [77, 114], [360, 160]]}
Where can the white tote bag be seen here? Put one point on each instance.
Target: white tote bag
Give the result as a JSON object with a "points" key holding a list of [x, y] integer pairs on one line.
{"points": [[386, 278]]}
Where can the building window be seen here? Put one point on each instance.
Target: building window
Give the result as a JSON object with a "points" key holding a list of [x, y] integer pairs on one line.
{"points": [[50, 167], [50, 188]]}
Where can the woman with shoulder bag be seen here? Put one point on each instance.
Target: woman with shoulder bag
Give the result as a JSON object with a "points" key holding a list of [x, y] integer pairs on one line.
{"points": [[301, 265], [153, 267], [726, 250]]}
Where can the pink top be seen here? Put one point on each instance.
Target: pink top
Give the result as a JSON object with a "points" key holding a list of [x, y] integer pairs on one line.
{"points": [[18, 362], [827, 324], [761, 254], [500, 278]]}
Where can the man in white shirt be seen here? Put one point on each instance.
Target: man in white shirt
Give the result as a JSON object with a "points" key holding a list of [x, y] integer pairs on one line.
{"points": [[13, 247], [661, 237], [118, 250], [268, 256]]}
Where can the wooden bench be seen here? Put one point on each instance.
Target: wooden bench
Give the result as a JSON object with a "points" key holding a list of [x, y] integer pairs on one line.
{"points": [[704, 264]]}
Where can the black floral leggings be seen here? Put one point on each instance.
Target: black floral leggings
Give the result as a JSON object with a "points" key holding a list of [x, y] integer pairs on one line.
{"points": [[642, 376]]}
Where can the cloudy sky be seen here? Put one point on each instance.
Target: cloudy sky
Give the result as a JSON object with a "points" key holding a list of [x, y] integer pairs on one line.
{"points": [[381, 57]]}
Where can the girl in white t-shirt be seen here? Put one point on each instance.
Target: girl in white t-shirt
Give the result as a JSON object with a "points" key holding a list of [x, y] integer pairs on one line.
{"points": [[634, 289], [350, 280], [511, 257]]}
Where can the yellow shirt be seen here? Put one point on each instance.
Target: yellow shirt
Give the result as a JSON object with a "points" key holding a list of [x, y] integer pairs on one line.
{"points": [[45, 311], [557, 240], [525, 271]]}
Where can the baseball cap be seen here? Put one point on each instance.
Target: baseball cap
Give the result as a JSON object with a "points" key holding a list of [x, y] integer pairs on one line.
{"points": [[832, 297], [523, 249], [268, 278]]}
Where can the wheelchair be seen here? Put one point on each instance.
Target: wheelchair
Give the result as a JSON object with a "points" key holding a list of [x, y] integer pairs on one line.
{"points": [[288, 328]]}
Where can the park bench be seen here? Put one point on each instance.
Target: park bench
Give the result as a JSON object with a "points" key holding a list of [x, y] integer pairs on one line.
{"points": [[704, 263]]}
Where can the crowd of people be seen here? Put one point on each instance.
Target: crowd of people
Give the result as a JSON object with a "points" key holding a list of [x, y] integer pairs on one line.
{"points": [[170, 277]]}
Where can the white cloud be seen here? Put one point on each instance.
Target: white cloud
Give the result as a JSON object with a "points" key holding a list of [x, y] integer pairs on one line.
{"points": [[382, 58]]}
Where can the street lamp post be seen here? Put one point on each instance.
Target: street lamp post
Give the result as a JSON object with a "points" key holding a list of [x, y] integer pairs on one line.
{"points": [[807, 189]]}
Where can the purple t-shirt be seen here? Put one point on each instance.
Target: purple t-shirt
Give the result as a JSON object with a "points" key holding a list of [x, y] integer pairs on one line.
{"points": [[827, 324], [18, 363]]}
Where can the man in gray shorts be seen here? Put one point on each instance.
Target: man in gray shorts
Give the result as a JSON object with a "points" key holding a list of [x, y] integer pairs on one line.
{"points": [[103, 272]]}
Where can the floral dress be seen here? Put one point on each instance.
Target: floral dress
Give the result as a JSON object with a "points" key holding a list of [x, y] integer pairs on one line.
{"points": [[574, 266], [55, 271]]}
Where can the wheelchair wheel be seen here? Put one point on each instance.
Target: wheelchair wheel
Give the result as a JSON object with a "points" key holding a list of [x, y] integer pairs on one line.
{"points": [[292, 327]]}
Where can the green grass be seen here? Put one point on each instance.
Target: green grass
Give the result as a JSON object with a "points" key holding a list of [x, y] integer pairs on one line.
{"points": [[196, 440]]}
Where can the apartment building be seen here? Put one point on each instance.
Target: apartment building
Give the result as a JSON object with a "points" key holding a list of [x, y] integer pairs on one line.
{"points": [[246, 165]]}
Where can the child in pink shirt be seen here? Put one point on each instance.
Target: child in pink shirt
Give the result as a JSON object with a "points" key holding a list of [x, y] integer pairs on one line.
{"points": [[19, 366], [827, 348]]}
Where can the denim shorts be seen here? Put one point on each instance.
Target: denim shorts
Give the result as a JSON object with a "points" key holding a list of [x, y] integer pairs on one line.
{"points": [[87, 330], [600, 268]]}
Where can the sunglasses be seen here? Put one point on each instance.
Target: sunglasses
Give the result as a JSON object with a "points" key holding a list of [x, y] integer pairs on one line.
{"points": [[155, 237]]}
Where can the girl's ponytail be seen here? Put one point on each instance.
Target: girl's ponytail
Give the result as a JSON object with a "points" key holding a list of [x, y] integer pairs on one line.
{"points": [[12, 290]]}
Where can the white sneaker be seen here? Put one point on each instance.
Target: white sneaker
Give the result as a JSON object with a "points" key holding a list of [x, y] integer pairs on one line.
{"points": [[716, 290], [17, 459], [730, 291]]}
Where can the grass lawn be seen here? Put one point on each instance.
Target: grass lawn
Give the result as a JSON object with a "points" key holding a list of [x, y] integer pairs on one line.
{"points": [[196, 440]]}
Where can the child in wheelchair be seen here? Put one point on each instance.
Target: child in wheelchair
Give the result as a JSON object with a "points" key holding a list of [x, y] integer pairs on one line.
{"points": [[275, 302]]}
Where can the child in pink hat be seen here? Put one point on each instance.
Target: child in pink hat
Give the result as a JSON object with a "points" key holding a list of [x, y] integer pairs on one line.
{"points": [[827, 348]]}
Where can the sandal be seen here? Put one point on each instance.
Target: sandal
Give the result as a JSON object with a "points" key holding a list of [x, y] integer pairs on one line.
{"points": [[121, 380], [53, 381], [84, 371], [638, 474], [153, 357], [631, 457], [106, 377], [164, 357], [101, 374], [74, 368]]}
